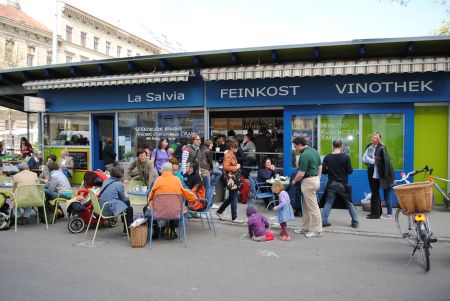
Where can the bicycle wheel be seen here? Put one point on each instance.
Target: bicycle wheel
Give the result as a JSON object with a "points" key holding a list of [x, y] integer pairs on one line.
{"points": [[424, 247], [405, 227]]}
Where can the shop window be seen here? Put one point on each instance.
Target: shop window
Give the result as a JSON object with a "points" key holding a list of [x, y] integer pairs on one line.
{"points": [[354, 131], [139, 130], [391, 128], [66, 129]]}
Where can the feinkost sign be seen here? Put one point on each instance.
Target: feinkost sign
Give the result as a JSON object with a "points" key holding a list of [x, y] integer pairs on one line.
{"points": [[328, 90]]}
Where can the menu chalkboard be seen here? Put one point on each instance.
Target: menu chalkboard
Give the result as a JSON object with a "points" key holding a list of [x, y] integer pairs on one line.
{"points": [[80, 159]]}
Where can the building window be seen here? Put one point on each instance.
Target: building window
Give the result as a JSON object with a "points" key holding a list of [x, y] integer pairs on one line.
{"points": [[69, 59], [355, 131], [63, 129], [83, 58], [30, 56], [83, 36], [129, 52], [108, 48], [49, 57], [119, 51], [96, 42], [138, 54], [144, 129], [69, 34]]}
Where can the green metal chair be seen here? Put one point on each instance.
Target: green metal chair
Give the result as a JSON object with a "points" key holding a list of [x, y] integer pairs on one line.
{"points": [[27, 196], [135, 200], [64, 195], [100, 216]]}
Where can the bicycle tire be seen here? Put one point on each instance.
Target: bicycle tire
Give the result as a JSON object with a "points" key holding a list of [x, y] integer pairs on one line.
{"points": [[425, 250], [403, 223]]}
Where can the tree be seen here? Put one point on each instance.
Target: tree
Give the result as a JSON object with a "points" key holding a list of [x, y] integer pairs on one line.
{"points": [[445, 28]]}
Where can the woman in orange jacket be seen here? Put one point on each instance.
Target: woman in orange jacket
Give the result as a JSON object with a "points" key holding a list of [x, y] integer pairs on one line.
{"points": [[230, 165]]}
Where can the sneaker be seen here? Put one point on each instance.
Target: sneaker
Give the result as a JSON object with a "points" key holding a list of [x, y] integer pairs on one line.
{"points": [[285, 238], [326, 225], [237, 221], [356, 226], [195, 215], [300, 231], [219, 215], [310, 234], [214, 206], [386, 216]]}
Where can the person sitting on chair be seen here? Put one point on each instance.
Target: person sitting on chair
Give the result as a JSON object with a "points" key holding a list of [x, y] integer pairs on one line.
{"points": [[113, 192], [58, 181], [35, 161], [24, 177], [195, 183], [168, 183], [142, 169], [66, 164], [45, 174]]}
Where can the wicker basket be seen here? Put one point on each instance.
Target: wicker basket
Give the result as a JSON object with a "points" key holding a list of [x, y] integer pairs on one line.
{"points": [[415, 197], [139, 236]]}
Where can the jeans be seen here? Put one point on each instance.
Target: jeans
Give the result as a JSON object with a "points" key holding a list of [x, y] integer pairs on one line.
{"points": [[338, 189], [387, 200], [233, 200], [210, 183], [26, 212], [50, 195]]}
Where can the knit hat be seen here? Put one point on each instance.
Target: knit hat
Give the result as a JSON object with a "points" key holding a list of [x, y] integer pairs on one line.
{"points": [[250, 211]]}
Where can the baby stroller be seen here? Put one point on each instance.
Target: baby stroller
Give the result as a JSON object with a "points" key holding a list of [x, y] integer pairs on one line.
{"points": [[80, 209]]}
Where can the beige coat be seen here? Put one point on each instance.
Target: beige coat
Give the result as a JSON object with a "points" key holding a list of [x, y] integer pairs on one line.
{"points": [[68, 164], [25, 177]]}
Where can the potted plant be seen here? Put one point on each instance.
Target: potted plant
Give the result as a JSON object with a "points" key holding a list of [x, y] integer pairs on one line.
{"points": [[128, 156]]}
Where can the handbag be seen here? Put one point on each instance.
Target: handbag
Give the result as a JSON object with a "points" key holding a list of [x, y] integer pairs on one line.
{"points": [[233, 180]]}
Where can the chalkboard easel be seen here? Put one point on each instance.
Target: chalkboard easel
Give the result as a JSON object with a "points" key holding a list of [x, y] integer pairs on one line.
{"points": [[80, 159]]}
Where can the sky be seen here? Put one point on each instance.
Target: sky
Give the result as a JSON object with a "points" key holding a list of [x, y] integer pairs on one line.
{"points": [[198, 25]]}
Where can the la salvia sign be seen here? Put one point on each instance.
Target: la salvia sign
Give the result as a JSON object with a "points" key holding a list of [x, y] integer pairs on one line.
{"points": [[329, 90]]}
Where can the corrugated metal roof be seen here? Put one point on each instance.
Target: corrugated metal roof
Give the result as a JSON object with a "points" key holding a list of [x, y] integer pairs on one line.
{"points": [[331, 68], [112, 80]]}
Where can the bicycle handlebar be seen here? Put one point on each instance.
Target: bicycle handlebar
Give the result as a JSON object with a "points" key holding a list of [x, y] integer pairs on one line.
{"points": [[413, 173]]}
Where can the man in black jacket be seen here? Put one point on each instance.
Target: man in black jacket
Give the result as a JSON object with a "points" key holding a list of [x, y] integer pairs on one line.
{"points": [[380, 173], [338, 166]]}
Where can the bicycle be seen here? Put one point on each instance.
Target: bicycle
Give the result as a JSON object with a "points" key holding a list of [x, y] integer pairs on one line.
{"points": [[418, 233], [446, 197]]}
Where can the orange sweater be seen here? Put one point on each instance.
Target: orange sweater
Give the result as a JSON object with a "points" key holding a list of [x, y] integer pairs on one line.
{"points": [[168, 183]]}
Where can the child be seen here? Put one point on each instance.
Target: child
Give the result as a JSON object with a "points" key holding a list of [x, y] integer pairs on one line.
{"points": [[177, 173], [284, 209], [258, 226]]}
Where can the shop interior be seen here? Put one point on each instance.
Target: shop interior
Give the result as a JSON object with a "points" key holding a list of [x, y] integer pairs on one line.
{"points": [[265, 127]]}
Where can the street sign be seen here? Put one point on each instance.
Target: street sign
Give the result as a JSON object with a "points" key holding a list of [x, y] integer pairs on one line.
{"points": [[34, 104]]}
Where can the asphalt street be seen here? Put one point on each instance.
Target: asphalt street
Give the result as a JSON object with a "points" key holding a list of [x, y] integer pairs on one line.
{"points": [[55, 265]]}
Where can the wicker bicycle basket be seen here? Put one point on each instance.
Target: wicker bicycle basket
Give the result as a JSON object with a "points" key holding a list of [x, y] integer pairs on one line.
{"points": [[415, 197], [139, 236]]}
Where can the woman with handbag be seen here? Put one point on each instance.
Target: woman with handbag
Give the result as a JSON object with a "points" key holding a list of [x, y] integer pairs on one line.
{"points": [[231, 169]]}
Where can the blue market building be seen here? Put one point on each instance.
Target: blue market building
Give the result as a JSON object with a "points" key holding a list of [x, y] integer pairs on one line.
{"points": [[398, 87]]}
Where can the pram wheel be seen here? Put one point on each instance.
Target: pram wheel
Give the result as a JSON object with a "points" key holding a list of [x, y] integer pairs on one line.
{"points": [[113, 222], [75, 225]]}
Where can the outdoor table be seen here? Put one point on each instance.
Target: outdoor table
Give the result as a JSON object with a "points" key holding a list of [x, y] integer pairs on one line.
{"points": [[284, 182], [138, 197]]}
